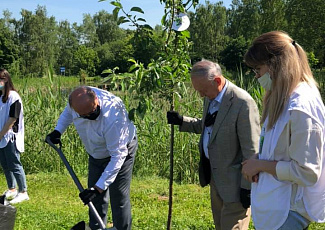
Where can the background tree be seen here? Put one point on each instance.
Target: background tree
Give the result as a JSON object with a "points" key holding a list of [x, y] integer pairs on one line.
{"points": [[87, 32], [233, 55], [8, 47], [306, 24], [67, 43], [272, 15], [244, 18], [107, 28], [147, 43], [208, 31], [37, 40], [86, 59], [114, 47]]}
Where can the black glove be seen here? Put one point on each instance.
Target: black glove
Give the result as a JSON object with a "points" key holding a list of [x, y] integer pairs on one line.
{"points": [[174, 118], [54, 137], [88, 194], [245, 197]]}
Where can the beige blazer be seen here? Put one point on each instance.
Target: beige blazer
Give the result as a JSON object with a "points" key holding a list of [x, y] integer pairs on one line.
{"points": [[235, 138]]}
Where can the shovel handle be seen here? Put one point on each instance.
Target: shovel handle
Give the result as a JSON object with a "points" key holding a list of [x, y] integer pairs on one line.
{"points": [[76, 181]]}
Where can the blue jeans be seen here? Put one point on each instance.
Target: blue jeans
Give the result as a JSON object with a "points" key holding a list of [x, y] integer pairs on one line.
{"points": [[118, 193], [12, 167], [295, 221]]}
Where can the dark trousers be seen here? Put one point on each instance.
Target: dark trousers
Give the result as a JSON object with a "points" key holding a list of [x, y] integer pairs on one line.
{"points": [[118, 193]]}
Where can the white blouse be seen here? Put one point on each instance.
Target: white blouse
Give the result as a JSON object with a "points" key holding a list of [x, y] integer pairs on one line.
{"points": [[4, 116], [297, 143]]}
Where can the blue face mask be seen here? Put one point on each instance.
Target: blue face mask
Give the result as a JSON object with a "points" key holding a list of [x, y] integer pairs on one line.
{"points": [[2, 87], [265, 81]]}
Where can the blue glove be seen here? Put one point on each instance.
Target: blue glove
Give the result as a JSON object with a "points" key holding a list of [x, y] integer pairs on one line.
{"points": [[88, 195]]}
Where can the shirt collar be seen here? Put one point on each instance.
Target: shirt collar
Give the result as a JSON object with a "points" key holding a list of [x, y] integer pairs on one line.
{"points": [[221, 94]]}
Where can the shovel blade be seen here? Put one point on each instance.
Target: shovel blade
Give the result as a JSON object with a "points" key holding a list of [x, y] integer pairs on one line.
{"points": [[81, 226]]}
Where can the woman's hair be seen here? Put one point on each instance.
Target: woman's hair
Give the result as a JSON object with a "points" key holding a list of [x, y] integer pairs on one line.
{"points": [[4, 74], [288, 66]]}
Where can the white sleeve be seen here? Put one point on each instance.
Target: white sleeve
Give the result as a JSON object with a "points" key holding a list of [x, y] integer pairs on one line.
{"points": [[64, 120], [305, 150], [116, 135]]}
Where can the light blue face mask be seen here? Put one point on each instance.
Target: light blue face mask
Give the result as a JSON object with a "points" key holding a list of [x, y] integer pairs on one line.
{"points": [[265, 81], [2, 87]]}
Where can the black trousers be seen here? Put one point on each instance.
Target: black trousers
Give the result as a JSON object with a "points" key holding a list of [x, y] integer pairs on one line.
{"points": [[118, 193]]}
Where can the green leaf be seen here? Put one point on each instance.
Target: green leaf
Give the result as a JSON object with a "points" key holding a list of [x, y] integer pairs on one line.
{"points": [[122, 20], [146, 26], [186, 33], [115, 13], [137, 9], [123, 86], [132, 67], [107, 71], [141, 19], [117, 4], [132, 60], [163, 19], [178, 94]]}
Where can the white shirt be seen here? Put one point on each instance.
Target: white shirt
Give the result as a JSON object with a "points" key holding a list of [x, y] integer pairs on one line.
{"points": [[107, 136], [213, 106], [297, 142], [4, 116]]}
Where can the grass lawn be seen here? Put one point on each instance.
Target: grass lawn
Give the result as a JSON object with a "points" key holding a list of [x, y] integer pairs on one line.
{"points": [[54, 204]]}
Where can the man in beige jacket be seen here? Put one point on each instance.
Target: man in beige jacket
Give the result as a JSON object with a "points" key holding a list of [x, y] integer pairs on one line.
{"points": [[229, 131]]}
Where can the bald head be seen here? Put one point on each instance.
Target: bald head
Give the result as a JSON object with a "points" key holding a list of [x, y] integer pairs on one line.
{"points": [[83, 100]]}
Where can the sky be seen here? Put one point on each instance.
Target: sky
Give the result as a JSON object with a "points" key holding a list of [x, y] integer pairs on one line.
{"points": [[73, 10]]}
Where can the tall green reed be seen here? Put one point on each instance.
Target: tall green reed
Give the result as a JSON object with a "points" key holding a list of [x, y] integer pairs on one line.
{"points": [[44, 99]]}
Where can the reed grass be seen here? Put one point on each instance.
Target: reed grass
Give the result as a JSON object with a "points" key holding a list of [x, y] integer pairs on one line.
{"points": [[45, 98]]}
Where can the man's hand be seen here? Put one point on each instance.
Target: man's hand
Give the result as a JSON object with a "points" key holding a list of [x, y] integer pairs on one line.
{"points": [[245, 197], [174, 118], [88, 195], [54, 137]]}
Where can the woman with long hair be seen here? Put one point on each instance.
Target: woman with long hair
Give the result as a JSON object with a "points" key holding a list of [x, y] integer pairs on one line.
{"points": [[288, 189], [12, 139]]}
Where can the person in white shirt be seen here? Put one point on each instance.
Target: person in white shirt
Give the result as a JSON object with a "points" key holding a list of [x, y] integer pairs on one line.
{"points": [[288, 190], [109, 138], [12, 139]]}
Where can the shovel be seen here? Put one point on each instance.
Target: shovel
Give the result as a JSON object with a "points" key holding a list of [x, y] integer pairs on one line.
{"points": [[81, 225]]}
